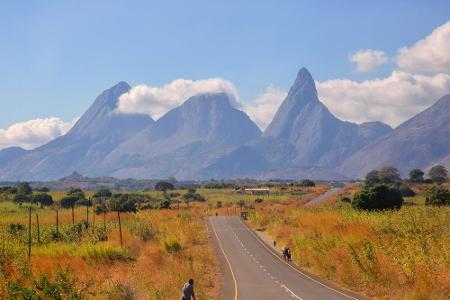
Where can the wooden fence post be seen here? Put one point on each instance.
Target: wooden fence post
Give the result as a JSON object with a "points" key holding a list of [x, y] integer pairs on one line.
{"points": [[29, 231]]}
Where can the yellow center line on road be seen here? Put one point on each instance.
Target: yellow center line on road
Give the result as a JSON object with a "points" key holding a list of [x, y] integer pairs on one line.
{"points": [[228, 262], [295, 269]]}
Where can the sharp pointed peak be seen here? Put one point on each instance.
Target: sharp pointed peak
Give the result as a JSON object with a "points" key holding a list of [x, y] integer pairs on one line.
{"points": [[304, 77], [121, 85], [304, 84]]}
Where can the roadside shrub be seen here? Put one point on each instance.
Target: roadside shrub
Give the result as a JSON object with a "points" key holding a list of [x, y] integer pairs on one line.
{"points": [[241, 203], [172, 245], [164, 204], [145, 232], [16, 228], [345, 199], [406, 191], [189, 196], [438, 174], [258, 200], [219, 204], [62, 287], [307, 182], [377, 197], [438, 195]]}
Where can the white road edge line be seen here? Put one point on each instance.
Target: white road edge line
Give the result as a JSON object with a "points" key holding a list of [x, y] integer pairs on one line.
{"points": [[295, 269], [291, 292]]}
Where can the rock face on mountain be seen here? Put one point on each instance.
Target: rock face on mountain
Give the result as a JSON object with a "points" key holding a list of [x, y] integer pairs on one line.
{"points": [[95, 134], [303, 136], [420, 142], [206, 137], [10, 154], [183, 141], [318, 137]]}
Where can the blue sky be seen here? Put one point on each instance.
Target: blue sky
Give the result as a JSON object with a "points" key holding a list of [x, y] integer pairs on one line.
{"points": [[56, 56]]}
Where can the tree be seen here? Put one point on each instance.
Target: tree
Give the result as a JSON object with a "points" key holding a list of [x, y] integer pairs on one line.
{"points": [[164, 204], [438, 174], [87, 203], [118, 205], [24, 188], [438, 195], [76, 192], [389, 175], [377, 197], [416, 175], [188, 197], [372, 178], [20, 199], [43, 199], [163, 186], [307, 182], [406, 191], [69, 202], [103, 193]]}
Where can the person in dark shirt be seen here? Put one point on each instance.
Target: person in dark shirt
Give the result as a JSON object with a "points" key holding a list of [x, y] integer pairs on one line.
{"points": [[188, 290]]}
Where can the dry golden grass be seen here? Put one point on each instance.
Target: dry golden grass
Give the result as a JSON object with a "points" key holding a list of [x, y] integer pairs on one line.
{"points": [[144, 269], [401, 254]]}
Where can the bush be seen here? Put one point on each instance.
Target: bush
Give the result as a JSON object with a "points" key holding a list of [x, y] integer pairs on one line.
{"points": [[172, 245], [377, 197], [163, 186], [389, 175], [307, 182], [258, 200], [438, 195], [146, 232], [406, 191], [164, 204], [219, 204], [43, 199], [438, 174], [16, 228], [345, 199], [63, 287], [193, 197]]}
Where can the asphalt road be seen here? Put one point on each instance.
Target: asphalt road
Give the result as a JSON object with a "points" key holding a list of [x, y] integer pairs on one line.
{"points": [[322, 197], [254, 271]]}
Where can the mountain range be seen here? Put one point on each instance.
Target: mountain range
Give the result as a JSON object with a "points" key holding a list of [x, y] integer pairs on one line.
{"points": [[208, 137]]}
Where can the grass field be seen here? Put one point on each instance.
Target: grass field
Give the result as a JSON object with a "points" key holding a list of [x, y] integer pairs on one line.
{"points": [[389, 255], [162, 249], [401, 254]]}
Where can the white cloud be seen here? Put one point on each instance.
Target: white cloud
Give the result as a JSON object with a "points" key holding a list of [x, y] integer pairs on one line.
{"points": [[367, 60], [33, 133], [263, 108], [392, 100], [156, 101], [430, 55]]}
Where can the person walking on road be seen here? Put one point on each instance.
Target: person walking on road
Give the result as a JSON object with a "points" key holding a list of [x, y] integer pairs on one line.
{"points": [[287, 253], [188, 290]]}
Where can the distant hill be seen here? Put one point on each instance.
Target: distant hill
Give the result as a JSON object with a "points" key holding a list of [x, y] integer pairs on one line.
{"points": [[207, 137], [183, 141], [10, 154], [303, 138], [96, 133], [420, 142]]}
